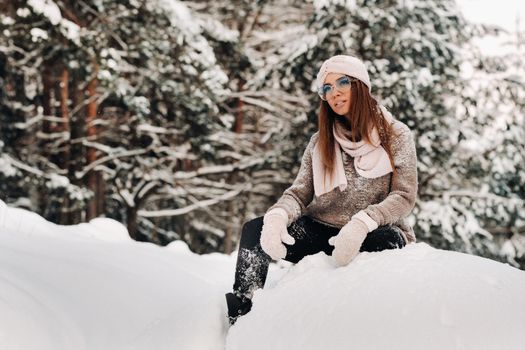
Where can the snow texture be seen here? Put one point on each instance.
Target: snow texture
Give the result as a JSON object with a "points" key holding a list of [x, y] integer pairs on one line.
{"points": [[90, 286], [415, 298]]}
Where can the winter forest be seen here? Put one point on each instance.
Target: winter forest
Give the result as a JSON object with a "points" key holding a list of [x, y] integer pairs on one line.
{"points": [[184, 119]]}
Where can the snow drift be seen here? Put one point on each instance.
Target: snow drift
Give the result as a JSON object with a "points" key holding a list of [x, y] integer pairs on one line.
{"points": [[415, 298], [89, 286]]}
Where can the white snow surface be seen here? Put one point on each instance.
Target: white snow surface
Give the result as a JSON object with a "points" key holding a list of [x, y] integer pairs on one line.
{"points": [[89, 286], [415, 298]]}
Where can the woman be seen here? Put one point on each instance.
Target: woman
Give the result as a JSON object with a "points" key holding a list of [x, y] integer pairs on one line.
{"points": [[356, 184]]}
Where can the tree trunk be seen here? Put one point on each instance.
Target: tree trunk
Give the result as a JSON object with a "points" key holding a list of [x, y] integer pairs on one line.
{"points": [[228, 235], [47, 87], [239, 111], [92, 178], [232, 208], [101, 190], [131, 221], [45, 149], [64, 116], [77, 127], [64, 155]]}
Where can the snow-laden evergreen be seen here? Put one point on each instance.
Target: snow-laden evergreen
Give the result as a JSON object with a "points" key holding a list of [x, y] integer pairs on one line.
{"points": [[184, 119], [480, 204]]}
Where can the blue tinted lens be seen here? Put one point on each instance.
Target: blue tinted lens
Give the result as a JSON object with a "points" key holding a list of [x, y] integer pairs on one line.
{"points": [[326, 89], [343, 82]]}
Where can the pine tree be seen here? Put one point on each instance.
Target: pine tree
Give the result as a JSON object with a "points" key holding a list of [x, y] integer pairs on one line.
{"points": [[484, 203], [138, 86], [185, 119]]}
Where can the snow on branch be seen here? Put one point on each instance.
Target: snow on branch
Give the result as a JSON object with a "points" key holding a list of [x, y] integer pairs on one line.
{"points": [[260, 103], [81, 174], [62, 135], [36, 119], [25, 167], [218, 169], [285, 101], [189, 208], [466, 193]]}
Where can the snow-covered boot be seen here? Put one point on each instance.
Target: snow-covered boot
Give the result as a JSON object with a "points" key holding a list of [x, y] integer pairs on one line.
{"points": [[237, 306]]}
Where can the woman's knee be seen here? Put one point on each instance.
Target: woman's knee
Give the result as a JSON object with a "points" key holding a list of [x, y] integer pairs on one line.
{"points": [[384, 237]]}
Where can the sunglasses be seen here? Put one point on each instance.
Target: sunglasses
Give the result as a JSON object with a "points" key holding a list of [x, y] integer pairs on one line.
{"points": [[342, 84]]}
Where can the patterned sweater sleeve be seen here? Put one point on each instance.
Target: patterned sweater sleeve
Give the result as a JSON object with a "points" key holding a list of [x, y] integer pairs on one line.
{"points": [[402, 197], [296, 198]]}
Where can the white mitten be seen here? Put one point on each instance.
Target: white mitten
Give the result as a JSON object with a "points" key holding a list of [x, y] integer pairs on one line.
{"points": [[274, 233], [350, 238]]}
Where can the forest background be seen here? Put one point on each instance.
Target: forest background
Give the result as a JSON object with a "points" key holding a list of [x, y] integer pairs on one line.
{"points": [[184, 119]]}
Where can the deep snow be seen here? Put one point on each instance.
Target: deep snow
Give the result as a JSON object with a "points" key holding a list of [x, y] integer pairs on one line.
{"points": [[89, 286], [415, 298]]}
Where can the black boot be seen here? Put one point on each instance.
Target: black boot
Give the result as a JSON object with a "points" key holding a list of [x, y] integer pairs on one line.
{"points": [[237, 306]]}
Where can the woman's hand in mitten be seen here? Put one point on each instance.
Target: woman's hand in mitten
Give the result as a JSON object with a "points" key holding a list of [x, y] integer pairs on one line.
{"points": [[348, 241], [274, 233]]}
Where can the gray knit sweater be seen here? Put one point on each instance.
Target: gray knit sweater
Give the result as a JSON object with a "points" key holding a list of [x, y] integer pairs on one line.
{"points": [[386, 199]]}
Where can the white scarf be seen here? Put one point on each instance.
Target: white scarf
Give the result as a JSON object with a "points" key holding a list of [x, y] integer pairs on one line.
{"points": [[370, 159]]}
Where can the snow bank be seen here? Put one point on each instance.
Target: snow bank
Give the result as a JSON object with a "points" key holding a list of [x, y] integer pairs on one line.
{"points": [[89, 286], [21, 221], [69, 287], [414, 298]]}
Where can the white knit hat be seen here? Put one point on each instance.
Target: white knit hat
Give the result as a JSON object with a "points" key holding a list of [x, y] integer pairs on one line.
{"points": [[343, 64]]}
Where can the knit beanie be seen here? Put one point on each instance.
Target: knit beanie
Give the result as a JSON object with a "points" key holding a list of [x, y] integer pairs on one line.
{"points": [[343, 64]]}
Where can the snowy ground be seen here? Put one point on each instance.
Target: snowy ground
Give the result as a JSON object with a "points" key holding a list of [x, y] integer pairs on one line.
{"points": [[89, 286]]}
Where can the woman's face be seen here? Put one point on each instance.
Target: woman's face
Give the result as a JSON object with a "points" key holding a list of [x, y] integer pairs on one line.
{"points": [[340, 97]]}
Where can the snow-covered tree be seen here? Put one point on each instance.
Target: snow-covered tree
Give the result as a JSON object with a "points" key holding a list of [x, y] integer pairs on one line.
{"points": [[113, 96], [35, 114], [482, 208], [183, 119]]}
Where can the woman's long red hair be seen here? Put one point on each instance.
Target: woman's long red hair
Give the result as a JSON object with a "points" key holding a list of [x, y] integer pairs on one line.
{"points": [[365, 114]]}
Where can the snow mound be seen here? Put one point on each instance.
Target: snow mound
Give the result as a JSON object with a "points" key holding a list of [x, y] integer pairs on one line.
{"points": [[72, 287], [21, 221], [89, 286], [414, 298], [104, 229], [63, 294]]}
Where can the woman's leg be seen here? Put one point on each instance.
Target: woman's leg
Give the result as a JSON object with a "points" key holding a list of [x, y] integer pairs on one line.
{"points": [[310, 236], [252, 262], [250, 272]]}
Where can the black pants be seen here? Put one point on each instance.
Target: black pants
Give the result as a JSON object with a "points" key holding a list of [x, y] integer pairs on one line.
{"points": [[311, 237]]}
